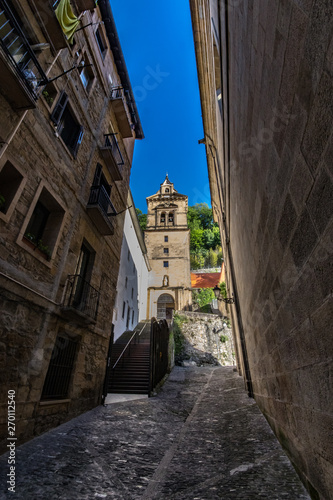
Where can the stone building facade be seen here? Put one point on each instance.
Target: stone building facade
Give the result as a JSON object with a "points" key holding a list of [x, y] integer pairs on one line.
{"points": [[167, 239], [266, 79], [67, 131]]}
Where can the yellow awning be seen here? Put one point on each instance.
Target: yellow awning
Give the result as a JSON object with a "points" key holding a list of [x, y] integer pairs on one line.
{"points": [[67, 19]]}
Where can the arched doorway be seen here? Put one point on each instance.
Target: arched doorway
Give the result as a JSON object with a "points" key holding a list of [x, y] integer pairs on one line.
{"points": [[165, 306]]}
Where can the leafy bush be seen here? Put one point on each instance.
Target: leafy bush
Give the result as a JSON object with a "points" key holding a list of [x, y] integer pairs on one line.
{"points": [[203, 297], [177, 333]]}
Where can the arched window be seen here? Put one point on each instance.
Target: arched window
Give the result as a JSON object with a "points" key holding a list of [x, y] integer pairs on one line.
{"points": [[167, 190], [171, 218], [163, 217]]}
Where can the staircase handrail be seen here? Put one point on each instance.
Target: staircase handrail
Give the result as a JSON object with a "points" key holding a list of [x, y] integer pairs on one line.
{"points": [[128, 343]]}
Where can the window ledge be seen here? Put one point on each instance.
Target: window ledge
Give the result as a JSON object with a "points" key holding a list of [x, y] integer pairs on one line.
{"points": [[33, 251], [52, 402]]}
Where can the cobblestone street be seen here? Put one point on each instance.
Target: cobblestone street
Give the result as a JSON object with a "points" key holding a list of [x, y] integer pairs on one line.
{"points": [[200, 438]]}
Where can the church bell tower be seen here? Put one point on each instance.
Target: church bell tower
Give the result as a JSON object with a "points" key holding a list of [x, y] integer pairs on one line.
{"points": [[167, 239]]}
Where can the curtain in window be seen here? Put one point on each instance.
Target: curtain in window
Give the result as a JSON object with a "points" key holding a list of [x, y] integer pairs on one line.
{"points": [[67, 19]]}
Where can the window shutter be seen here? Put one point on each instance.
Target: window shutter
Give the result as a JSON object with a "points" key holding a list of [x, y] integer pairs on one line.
{"points": [[59, 108], [78, 142], [98, 175]]}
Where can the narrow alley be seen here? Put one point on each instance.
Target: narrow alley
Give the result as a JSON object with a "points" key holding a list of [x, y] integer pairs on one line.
{"points": [[201, 437]]}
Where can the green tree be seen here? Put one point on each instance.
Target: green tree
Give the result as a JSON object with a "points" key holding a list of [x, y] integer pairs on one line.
{"points": [[201, 213], [203, 297], [218, 250], [197, 261], [211, 259], [217, 236], [208, 238], [196, 239], [142, 218]]}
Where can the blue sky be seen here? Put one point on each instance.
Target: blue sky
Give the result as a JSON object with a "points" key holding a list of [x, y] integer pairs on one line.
{"points": [[157, 43]]}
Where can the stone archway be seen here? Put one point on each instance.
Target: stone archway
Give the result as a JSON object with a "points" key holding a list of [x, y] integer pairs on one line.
{"points": [[165, 306]]}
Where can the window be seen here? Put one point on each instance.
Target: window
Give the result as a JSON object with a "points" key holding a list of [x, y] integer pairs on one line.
{"points": [[86, 73], [37, 222], [132, 294], [165, 263], [81, 289], [43, 224], [10, 183], [128, 255], [171, 217], [166, 239], [128, 316], [123, 313], [162, 217], [126, 280], [133, 317], [166, 250], [60, 369], [101, 42], [167, 190], [70, 131]]}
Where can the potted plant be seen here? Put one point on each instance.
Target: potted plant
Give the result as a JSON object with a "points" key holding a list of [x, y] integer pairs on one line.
{"points": [[47, 97], [41, 248], [44, 249]]}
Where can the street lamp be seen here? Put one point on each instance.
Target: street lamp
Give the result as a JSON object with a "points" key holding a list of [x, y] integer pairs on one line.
{"points": [[218, 295]]}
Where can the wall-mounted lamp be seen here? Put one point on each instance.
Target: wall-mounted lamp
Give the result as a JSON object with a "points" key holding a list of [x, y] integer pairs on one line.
{"points": [[218, 295]]}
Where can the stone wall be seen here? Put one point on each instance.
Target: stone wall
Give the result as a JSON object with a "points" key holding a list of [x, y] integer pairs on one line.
{"points": [[206, 340], [270, 156], [32, 284]]}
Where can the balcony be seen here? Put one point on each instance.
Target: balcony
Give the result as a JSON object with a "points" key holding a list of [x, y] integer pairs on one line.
{"points": [[112, 156], [83, 5], [44, 10], [100, 209], [120, 109], [20, 71], [80, 299]]}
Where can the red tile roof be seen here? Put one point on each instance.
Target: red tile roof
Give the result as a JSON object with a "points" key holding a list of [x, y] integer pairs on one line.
{"points": [[207, 280]]}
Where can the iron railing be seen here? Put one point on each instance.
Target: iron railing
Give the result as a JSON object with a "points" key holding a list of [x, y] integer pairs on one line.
{"points": [[99, 196], [19, 52], [112, 144], [120, 92], [80, 295], [135, 338], [159, 352]]}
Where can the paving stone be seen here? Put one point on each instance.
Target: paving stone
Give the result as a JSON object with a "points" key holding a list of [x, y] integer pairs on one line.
{"points": [[200, 438]]}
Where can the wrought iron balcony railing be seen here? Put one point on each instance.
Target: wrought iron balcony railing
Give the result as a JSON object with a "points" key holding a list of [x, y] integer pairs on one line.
{"points": [[99, 196], [100, 209], [18, 52], [81, 296], [112, 156], [112, 144], [123, 109]]}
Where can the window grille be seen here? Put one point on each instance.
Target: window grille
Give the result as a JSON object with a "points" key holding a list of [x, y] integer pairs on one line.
{"points": [[60, 369]]}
